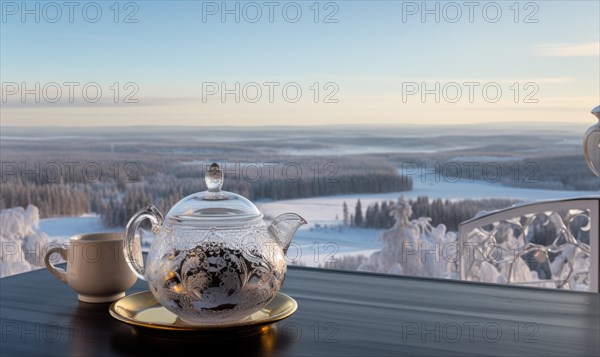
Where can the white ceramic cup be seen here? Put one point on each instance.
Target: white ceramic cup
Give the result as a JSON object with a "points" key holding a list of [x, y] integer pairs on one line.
{"points": [[96, 267]]}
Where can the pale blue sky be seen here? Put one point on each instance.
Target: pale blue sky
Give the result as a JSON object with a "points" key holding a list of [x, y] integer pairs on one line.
{"points": [[370, 54]]}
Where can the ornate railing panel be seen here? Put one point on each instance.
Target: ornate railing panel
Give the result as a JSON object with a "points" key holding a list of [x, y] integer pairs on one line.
{"points": [[546, 244]]}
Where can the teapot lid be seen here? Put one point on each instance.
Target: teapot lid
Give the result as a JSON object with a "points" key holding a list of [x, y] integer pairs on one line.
{"points": [[215, 207]]}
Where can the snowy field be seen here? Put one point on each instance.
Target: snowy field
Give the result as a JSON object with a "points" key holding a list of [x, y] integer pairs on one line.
{"points": [[323, 239], [63, 228]]}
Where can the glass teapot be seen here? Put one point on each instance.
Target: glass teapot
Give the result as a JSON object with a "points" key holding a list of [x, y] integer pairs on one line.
{"points": [[213, 259]]}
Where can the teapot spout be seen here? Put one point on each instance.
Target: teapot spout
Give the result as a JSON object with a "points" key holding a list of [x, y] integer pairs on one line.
{"points": [[284, 227]]}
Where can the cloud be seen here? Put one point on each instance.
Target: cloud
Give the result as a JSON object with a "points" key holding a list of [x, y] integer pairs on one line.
{"points": [[589, 49]]}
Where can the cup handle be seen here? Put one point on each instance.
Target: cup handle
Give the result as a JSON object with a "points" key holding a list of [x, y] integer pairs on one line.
{"points": [[59, 273]]}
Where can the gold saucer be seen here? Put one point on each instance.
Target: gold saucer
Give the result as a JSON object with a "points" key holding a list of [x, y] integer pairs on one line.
{"points": [[142, 309]]}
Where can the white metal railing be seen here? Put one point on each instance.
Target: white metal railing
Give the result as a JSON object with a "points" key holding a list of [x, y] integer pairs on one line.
{"points": [[549, 244]]}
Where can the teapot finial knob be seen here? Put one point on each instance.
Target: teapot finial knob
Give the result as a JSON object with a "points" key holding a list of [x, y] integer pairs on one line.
{"points": [[214, 178]]}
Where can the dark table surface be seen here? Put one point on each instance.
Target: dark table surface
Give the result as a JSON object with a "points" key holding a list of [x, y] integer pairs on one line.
{"points": [[340, 313]]}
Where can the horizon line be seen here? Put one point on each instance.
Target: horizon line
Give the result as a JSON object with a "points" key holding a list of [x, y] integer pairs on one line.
{"points": [[449, 124]]}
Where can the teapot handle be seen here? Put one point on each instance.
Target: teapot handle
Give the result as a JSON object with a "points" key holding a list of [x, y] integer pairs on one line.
{"points": [[131, 250], [591, 144]]}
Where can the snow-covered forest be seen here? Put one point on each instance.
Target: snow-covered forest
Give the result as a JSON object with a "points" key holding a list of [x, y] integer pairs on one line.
{"points": [[23, 244], [447, 212], [81, 181], [116, 201]]}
